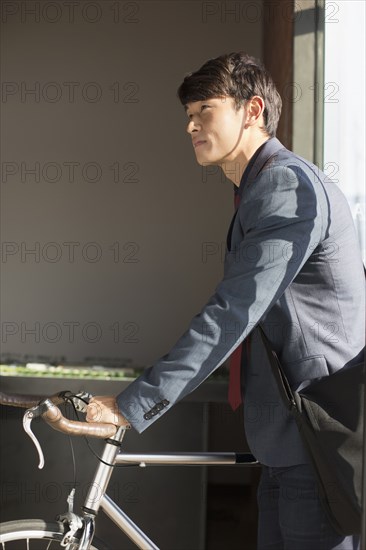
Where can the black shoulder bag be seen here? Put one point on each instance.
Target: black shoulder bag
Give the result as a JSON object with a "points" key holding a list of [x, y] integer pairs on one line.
{"points": [[329, 414]]}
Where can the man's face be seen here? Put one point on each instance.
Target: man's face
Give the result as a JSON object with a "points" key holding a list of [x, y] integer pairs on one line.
{"points": [[216, 129]]}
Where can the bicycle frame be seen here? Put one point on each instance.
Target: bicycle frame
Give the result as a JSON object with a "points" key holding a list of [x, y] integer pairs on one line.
{"points": [[97, 499]]}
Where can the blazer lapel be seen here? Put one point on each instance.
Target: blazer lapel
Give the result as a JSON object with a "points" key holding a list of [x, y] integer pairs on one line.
{"points": [[256, 163]]}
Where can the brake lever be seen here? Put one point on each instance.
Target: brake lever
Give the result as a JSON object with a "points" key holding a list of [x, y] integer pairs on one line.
{"points": [[27, 419], [81, 400]]}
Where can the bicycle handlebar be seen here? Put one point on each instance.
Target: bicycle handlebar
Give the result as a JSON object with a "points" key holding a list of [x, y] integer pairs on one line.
{"points": [[19, 400], [47, 408], [57, 421]]}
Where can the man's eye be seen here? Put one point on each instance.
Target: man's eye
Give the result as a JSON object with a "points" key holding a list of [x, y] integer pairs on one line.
{"points": [[203, 107]]}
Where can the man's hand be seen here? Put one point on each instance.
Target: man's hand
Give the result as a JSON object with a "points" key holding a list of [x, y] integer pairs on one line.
{"points": [[104, 408]]}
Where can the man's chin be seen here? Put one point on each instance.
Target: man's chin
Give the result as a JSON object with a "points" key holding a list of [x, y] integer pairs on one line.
{"points": [[204, 162]]}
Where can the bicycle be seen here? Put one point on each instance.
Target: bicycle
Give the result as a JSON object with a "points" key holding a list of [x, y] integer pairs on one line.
{"points": [[76, 531]]}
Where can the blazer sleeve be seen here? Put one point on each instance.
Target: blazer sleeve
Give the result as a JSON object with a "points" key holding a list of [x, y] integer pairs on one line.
{"points": [[281, 222]]}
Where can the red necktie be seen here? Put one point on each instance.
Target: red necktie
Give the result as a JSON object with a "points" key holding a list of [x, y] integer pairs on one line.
{"points": [[234, 392]]}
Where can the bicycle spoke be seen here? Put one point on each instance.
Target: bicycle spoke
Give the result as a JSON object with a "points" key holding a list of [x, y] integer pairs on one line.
{"points": [[34, 535], [30, 545]]}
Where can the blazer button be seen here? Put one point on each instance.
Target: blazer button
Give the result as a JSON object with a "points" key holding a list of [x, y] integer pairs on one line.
{"points": [[148, 416], [165, 402], [159, 406]]}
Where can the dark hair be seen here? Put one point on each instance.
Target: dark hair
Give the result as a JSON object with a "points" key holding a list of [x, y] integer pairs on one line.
{"points": [[239, 76]]}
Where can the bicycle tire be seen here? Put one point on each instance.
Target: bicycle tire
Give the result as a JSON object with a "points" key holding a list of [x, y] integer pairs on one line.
{"points": [[38, 534]]}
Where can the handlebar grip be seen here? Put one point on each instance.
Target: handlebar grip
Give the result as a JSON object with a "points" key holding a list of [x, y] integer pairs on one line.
{"points": [[57, 421], [29, 401], [23, 401]]}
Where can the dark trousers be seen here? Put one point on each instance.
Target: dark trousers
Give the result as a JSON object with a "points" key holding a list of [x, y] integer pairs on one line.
{"points": [[290, 515]]}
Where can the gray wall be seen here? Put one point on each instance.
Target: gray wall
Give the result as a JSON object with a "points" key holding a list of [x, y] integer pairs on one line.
{"points": [[117, 269]]}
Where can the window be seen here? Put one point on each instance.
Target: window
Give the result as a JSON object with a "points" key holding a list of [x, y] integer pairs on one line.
{"points": [[344, 104]]}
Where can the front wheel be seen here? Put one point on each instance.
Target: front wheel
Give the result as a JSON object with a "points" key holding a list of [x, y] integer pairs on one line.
{"points": [[36, 534]]}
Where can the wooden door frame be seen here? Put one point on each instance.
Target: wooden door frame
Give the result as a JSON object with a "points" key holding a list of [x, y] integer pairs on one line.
{"points": [[278, 54]]}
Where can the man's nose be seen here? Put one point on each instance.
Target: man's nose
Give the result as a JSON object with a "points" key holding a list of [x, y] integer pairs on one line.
{"points": [[192, 126]]}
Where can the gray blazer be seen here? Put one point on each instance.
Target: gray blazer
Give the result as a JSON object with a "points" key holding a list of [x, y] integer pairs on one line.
{"points": [[293, 264]]}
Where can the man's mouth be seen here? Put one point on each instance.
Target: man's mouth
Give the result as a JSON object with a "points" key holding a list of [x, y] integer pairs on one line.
{"points": [[198, 143]]}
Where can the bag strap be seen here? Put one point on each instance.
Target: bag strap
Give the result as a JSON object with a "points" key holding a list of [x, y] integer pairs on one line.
{"points": [[285, 390], [278, 372]]}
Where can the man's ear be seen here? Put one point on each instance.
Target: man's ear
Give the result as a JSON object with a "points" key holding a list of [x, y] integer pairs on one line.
{"points": [[254, 109]]}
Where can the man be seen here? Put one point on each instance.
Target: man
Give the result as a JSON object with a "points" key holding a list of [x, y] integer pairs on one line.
{"points": [[293, 265]]}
